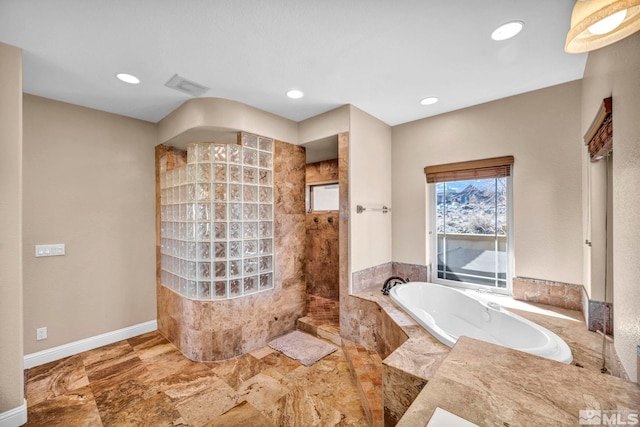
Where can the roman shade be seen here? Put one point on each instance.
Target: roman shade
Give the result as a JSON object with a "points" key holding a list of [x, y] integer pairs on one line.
{"points": [[599, 137], [496, 167]]}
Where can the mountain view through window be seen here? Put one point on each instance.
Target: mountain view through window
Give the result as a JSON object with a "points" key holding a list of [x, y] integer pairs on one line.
{"points": [[471, 226]]}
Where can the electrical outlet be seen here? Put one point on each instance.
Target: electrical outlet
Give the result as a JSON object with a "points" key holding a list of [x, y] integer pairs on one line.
{"points": [[41, 333]]}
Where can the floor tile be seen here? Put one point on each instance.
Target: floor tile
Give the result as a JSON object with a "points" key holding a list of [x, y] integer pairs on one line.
{"points": [[75, 408], [168, 363], [146, 381], [109, 360], [262, 352], [56, 378], [279, 363], [261, 391], [237, 370], [157, 410], [213, 399], [242, 415]]}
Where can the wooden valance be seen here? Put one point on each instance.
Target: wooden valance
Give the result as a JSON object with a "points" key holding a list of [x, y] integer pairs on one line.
{"points": [[599, 137], [497, 167]]}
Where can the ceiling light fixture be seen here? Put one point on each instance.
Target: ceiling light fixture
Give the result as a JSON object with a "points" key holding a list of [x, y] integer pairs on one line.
{"points": [[295, 94], [599, 23], [429, 101], [508, 30], [128, 78]]}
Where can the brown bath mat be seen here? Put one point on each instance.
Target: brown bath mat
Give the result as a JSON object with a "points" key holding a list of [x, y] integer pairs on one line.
{"points": [[303, 347]]}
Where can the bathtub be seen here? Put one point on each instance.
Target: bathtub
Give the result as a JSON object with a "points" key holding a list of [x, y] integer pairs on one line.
{"points": [[447, 313]]}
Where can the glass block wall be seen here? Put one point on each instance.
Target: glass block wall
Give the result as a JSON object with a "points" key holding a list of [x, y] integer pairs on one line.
{"points": [[217, 220]]}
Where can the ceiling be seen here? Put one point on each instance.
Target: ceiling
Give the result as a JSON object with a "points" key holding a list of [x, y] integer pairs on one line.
{"points": [[383, 56]]}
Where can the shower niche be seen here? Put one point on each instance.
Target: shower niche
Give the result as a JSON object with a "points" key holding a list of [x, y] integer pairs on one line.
{"points": [[216, 219]]}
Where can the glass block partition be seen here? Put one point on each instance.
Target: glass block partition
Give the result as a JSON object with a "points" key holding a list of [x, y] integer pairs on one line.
{"points": [[217, 220]]}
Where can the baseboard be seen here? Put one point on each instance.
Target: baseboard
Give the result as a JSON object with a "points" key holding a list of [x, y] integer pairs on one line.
{"points": [[14, 417], [66, 350]]}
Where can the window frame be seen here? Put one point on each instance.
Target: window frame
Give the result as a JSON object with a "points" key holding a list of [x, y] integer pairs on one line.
{"points": [[433, 236], [310, 188]]}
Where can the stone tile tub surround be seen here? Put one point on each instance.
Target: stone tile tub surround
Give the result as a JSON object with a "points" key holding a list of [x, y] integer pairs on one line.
{"points": [[212, 330], [411, 355], [564, 295], [366, 279], [513, 392], [557, 294], [482, 315]]}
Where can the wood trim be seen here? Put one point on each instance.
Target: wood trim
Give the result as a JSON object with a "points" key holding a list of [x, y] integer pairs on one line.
{"points": [[603, 112], [599, 137], [485, 168]]}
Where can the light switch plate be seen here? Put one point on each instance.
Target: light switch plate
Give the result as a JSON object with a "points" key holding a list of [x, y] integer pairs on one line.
{"points": [[50, 250]]}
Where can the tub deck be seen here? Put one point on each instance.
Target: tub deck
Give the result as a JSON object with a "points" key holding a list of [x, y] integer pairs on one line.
{"points": [[521, 389], [411, 365]]}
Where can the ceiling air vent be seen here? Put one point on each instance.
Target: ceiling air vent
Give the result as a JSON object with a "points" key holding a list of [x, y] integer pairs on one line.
{"points": [[178, 82]]}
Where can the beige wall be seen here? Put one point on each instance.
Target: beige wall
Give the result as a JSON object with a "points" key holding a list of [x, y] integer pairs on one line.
{"points": [[542, 130], [369, 186], [206, 119], [614, 71], [11, 324], [324, 125], [89, 183]]}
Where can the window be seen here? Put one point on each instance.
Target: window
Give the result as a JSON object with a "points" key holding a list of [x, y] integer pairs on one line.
{"points": [[470, 223], [323, 197]]}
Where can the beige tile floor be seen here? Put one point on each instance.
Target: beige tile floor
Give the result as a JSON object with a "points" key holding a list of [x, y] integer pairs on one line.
{"points": [[146, 381]]}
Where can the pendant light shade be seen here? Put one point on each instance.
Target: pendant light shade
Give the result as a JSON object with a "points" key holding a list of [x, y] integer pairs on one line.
{"points": [[599, 23]]}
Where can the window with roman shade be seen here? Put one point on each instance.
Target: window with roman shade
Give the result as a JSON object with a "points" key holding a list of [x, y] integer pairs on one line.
{"points": [[496, 167], [470, 223]]}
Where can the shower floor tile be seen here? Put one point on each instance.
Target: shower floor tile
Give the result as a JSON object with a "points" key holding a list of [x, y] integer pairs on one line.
{"points": [[146, 381]]}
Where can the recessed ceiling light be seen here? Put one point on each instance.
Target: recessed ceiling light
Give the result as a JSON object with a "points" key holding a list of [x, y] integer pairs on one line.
{"points": [[295, 94], [508, 30], [128, 78], [428, 101]]}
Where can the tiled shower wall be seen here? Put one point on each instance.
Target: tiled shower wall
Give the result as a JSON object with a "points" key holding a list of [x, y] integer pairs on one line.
{"points": [[323, 258], [323, 255], [214, 330]]}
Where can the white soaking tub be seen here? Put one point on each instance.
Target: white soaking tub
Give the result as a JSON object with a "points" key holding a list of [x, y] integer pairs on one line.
{"points": [[448, 313]]}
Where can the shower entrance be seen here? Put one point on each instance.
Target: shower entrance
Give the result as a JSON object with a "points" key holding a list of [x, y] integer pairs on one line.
{"points": [[323, 231]]}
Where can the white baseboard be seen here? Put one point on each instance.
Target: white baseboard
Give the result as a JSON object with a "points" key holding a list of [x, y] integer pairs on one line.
{"points": [[66, 350], [14, 417]]}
